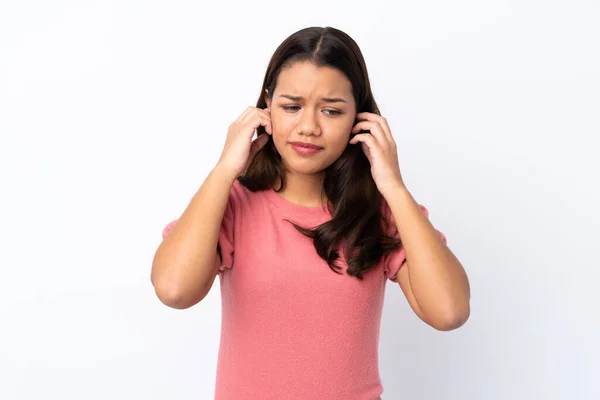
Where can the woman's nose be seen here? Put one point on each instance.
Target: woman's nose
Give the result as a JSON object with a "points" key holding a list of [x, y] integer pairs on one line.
{"points": [[309, 125]]}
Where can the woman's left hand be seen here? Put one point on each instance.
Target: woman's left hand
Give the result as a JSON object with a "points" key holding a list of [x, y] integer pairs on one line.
{"points": [[380, 148]]}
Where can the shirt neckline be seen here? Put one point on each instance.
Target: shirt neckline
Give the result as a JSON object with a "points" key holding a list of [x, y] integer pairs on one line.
{"points": [[293, 208]]}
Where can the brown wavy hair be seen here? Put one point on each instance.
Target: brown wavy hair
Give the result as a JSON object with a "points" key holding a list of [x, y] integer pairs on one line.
{"points": [[357, 224]]}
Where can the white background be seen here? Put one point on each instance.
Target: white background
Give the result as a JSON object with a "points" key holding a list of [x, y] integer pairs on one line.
{"points": [[112, 113]]}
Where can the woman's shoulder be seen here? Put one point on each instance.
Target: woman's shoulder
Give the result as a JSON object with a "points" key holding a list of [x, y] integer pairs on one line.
{"points": [[243, 198], [241, 192]]}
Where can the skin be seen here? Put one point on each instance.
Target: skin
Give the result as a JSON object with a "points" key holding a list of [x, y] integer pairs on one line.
{"points": [[432, 278]]}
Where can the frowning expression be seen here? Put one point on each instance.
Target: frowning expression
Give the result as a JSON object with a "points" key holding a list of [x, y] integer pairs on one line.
{"points": [[312, 114]]}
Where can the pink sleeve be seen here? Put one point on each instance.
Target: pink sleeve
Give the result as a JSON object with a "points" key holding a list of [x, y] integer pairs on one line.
{"points": [[225, 241], [168, 228], [394, 260]]}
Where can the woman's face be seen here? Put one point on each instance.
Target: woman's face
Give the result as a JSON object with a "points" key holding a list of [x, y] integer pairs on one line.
{"points": [[311, 105]]}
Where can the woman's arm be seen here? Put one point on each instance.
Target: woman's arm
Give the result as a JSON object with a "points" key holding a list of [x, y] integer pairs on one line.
{"points": [[186, 262], [432, 279]]}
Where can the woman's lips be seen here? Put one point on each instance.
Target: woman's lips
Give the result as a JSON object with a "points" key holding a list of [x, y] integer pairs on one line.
{"points": [[305, 149]]}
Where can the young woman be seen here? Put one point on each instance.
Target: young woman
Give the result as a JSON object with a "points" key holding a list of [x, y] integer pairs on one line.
{"points": [[303, 227]]}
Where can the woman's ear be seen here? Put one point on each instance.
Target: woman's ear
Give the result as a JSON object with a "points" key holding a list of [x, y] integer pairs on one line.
{"points": [[267, 99]]}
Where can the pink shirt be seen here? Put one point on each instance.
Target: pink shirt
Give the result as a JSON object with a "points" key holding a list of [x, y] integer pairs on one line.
{"points": [[292, 328]]}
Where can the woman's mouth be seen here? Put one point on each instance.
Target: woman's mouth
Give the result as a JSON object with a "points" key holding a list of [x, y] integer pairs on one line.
{"points": [[306, 149]]}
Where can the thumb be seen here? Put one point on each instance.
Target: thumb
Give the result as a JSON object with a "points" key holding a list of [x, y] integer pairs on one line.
{"points": [[257, 144]]}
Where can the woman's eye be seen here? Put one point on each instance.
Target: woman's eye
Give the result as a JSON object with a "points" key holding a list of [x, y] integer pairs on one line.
{"points": [[332, 113]]}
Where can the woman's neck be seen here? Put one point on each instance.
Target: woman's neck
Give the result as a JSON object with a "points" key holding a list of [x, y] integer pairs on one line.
{"points": [[303, 190]]}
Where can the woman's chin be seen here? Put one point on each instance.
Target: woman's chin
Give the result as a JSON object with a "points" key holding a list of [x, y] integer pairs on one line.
{"points": [[304, 168]]}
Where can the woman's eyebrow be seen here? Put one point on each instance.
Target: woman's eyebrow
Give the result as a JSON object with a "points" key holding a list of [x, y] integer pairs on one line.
{"points": [[325, 99]]}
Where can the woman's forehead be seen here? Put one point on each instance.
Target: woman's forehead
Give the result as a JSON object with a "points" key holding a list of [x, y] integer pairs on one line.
{"points": [[304, 79]]}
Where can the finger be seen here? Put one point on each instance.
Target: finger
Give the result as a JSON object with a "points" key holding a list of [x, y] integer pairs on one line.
{"points": [[379, 120], [249, 114], [258, 144], [263, 110], [255, 147], [259, 117], [373, 127], [365, 116], [244, 114], [265, 114], [266, 122], [365, 138], [367, 143], [252, 123]]}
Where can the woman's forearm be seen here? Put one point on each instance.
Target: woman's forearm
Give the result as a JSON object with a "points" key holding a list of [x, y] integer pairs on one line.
{"points": [[437, 279], [185, 261]]}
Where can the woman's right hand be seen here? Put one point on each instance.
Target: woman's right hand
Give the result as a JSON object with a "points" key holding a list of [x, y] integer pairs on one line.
{"points": [[240, 149]]}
